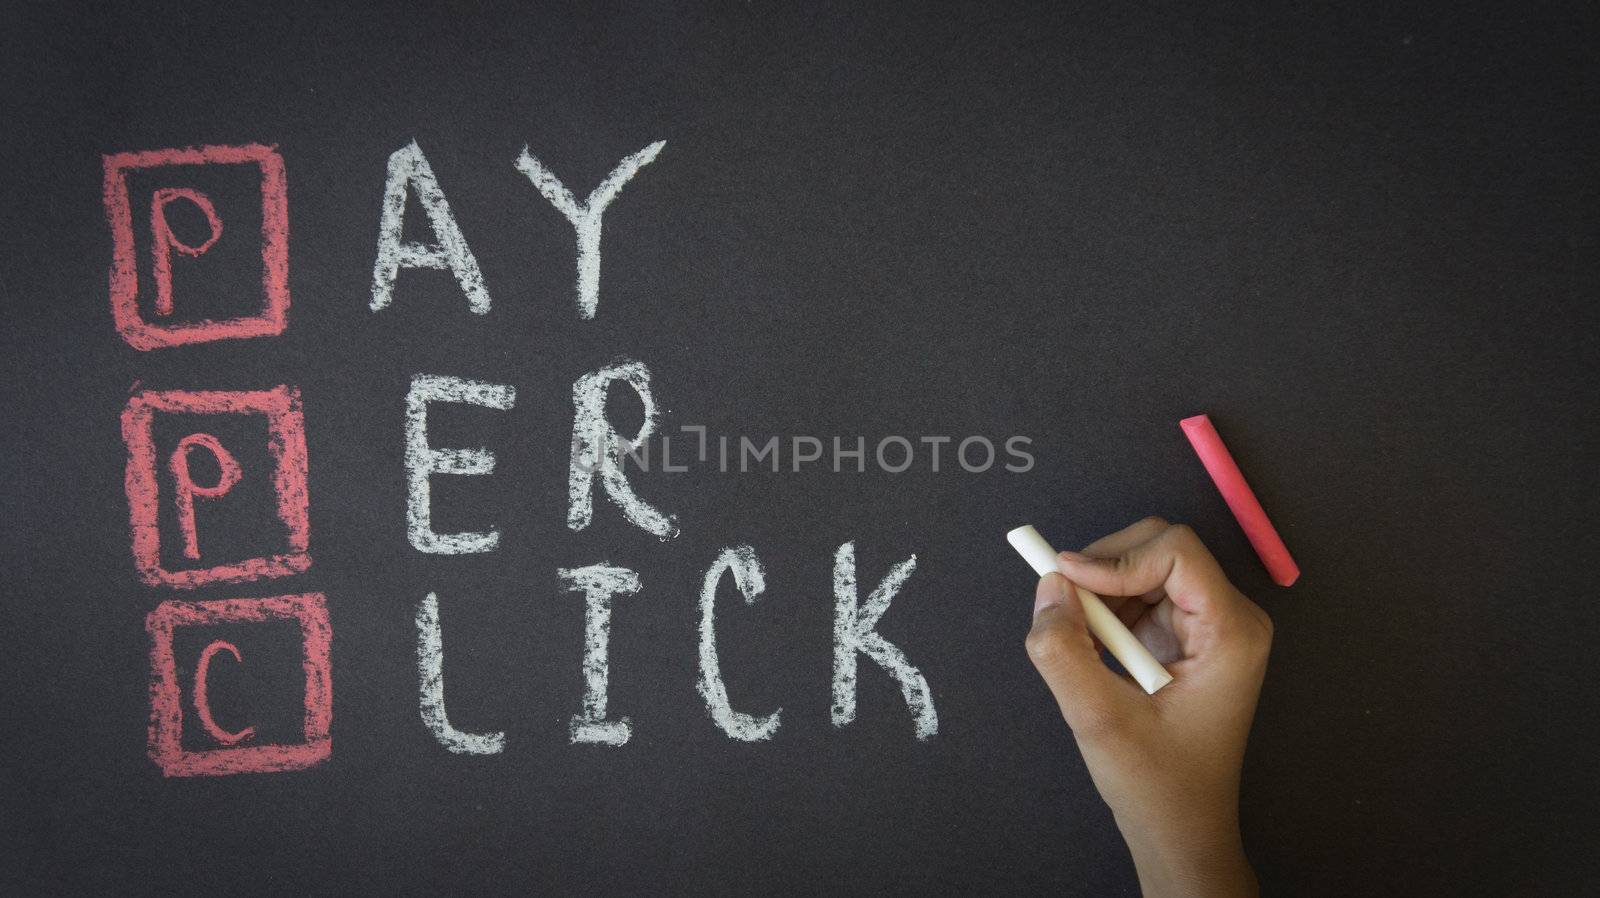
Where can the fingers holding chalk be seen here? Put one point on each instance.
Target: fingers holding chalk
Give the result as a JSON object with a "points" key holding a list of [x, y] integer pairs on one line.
{"points": [[1105, 625], [1173, 561], [1127, 608], [1204, 614]]}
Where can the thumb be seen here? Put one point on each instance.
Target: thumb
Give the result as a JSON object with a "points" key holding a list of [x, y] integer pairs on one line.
{"points": [[1092, 698]]}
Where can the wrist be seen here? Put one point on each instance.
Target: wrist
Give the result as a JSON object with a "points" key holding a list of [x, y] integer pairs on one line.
{"points": [[1195, 861]]}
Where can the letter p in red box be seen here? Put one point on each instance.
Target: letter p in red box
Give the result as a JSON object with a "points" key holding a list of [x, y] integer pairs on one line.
{"points": [[285, 452], [166, 245], [310, 612]]}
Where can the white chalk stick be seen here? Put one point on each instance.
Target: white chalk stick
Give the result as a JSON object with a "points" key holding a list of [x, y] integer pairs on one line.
{"points": [[1118, 639]]}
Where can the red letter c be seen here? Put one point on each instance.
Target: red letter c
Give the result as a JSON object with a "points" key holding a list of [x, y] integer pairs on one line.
{"points": [[202, 705]]}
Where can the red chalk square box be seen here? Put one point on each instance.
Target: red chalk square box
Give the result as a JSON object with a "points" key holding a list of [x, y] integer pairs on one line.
{"points": [[167, 245], [167, 719], [286, 454]]}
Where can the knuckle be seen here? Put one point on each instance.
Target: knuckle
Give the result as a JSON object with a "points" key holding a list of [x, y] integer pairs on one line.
{"points": [[1046, 646], [1182, 535], [1154, 522]]}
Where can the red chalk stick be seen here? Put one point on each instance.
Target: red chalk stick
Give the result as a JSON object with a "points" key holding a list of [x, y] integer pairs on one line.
{"points": [[1241, 499]]}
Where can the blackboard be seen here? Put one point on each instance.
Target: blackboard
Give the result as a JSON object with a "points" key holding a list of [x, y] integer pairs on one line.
{"points": [[1363, 239]]}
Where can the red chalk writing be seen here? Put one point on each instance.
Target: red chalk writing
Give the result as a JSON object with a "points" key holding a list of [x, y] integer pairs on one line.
{"points": [[186, 489], [163, 241], [202, 699], [125, 289], [310, 611], [286, 451], [286, 446]]}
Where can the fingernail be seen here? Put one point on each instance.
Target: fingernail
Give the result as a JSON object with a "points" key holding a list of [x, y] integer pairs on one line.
{"points": [[1073, 557], [1051, 591]]}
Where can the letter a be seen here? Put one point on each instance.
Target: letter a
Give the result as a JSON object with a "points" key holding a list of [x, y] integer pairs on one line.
{"points": [[409, 170]]}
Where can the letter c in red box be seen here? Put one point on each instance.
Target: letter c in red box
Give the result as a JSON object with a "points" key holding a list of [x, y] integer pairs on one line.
{"points": [[310, 611], [286, 447], [143, 334]]}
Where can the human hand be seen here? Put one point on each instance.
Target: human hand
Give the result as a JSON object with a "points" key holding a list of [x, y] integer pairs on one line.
{"points": [[1167, 764]]}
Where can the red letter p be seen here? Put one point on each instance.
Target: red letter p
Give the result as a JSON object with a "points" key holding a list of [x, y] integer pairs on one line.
{"points": [[187, 489]]}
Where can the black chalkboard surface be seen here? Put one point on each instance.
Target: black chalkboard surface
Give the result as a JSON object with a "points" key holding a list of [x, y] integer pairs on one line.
{"points": [[1363, 240]]}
